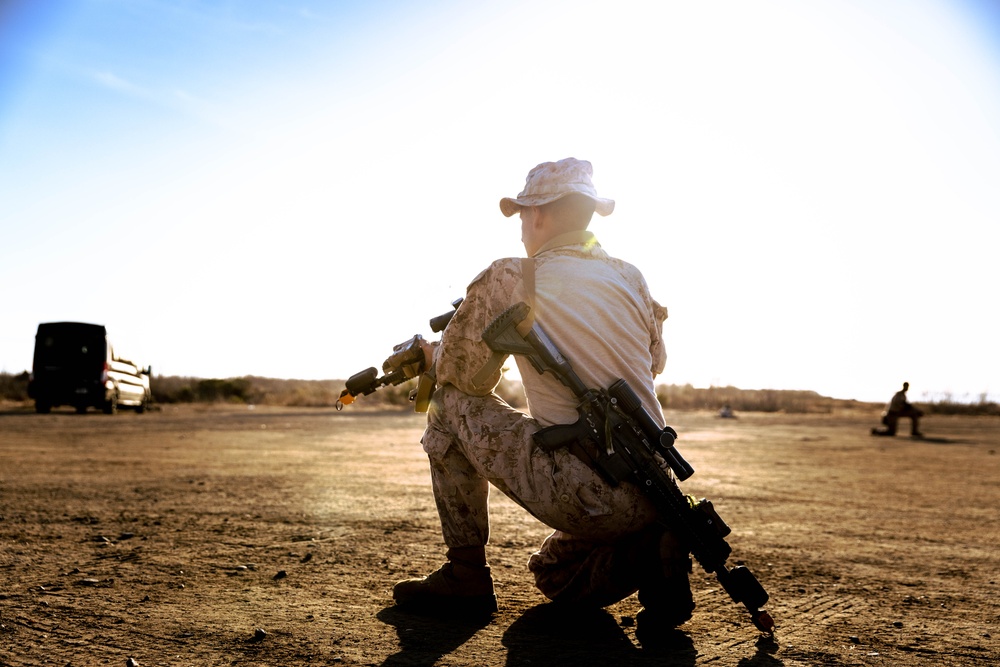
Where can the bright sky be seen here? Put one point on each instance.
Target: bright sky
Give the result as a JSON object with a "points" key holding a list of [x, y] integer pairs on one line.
{"points": [[258, 188]]}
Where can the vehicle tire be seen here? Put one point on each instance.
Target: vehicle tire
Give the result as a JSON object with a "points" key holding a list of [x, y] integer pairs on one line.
{"points": [[111, 405], [42, 408], [143, 405]]}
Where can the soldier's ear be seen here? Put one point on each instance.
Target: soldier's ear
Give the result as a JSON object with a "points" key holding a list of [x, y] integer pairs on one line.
{"points": [[542, 216]]}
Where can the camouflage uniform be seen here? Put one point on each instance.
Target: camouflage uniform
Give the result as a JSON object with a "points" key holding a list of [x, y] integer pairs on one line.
{"points": [[474, 439]]}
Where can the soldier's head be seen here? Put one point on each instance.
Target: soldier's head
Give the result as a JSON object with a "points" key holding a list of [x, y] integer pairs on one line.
{"points": [[558, 197]]}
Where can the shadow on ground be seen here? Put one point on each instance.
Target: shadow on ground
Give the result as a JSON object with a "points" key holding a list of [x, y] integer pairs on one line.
{"points": [[543, 635], [423, 640], [550, 634]]}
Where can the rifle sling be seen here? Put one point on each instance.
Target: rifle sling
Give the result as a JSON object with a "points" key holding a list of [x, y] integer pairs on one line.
{"points": [[528, 279]]}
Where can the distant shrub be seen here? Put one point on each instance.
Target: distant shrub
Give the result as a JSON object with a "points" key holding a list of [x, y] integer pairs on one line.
{"points": [[172, 389], [248, 389], [14, 387], [233, 390], [687, 397], [983, 408]]}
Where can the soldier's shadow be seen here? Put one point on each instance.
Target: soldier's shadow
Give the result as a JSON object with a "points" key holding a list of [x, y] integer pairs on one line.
{"points": [[550, 634], [942, 441], [930, 438], [424, 639]]}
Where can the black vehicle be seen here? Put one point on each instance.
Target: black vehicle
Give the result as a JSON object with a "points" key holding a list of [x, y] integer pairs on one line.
{"points": [[75, 364]]}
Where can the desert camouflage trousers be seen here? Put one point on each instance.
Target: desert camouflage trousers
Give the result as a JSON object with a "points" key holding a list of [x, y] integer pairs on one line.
{"points": [[475, 441]]}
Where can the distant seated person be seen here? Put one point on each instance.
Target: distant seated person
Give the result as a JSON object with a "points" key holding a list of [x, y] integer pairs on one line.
{"points": [[727, 412], [900, 407]]}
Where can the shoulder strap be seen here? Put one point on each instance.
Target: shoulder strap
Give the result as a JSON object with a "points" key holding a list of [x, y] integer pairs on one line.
{"points": [[528, 278]]}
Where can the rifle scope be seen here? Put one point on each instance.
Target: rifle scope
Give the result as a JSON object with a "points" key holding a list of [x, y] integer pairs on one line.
{"points": [[630, 404]]}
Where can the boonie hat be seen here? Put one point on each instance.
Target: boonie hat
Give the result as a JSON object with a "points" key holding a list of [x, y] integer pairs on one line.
{"points": [[550, 181]]}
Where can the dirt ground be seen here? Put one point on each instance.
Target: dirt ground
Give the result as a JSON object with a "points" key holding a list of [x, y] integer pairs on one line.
{"points": [[272, 536]]}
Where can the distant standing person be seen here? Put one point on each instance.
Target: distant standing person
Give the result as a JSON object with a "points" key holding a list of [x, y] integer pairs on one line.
{"points": [[900, 407]]}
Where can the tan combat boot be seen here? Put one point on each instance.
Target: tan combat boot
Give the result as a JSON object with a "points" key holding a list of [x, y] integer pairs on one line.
{"points": [[463, 585]]}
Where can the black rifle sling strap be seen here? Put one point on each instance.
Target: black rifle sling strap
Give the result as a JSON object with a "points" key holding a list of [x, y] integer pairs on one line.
{"points": [[497, 359]]}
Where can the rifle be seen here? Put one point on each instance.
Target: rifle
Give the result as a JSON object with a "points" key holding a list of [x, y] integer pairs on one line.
{"points": [[405, 363], [616, 434]]}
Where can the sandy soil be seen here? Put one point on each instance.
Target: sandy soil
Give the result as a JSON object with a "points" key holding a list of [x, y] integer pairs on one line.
{"points": [[272, 536]]}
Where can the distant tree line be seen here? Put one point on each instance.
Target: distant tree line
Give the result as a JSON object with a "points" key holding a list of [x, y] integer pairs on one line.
{"points": [[324, 393]]}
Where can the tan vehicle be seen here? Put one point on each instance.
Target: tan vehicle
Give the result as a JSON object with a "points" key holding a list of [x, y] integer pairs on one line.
{"points": [[75, 364]]}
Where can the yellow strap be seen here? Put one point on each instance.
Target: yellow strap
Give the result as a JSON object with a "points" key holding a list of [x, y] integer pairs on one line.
{"points": [[488, 369]]}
